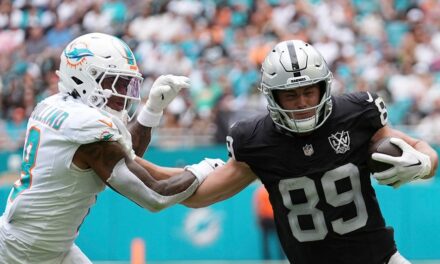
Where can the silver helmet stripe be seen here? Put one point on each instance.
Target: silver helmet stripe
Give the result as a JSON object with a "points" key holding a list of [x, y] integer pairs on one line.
{"points": [[293, 59]]}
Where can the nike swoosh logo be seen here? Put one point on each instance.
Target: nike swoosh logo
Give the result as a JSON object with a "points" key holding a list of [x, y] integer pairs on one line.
{"points": [[370, 98], [109, 124], [415, 164]]}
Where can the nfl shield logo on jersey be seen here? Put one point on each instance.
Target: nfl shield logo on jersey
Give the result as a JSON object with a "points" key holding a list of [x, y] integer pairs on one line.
{"points": [[308, 150], [340, 142]]}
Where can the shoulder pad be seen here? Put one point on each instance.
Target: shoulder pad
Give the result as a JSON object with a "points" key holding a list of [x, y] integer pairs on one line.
{"points": [[241, 133], [87, 125], [371, 106], [362, 98]]}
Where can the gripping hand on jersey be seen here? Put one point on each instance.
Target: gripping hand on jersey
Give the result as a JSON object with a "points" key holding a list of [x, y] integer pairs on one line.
{"points": [[410, 166], [204, 167], [164, 90]]}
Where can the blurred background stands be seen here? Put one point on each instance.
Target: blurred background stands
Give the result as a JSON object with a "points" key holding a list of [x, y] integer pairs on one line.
{"points": [[389, 47]]}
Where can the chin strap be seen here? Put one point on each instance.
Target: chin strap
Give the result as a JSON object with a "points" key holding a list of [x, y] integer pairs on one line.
{"points": [[303, 125]]}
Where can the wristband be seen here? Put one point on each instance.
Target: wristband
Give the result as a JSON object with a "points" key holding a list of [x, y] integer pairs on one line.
{"points": [[200, 170], [148, 118]]}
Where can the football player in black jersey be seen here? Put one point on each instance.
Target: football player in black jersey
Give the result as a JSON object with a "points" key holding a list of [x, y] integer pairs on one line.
{"points": [[311, 151]]}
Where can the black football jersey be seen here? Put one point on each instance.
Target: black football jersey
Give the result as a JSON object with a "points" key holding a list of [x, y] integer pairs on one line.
{"points": [[319, 185]]}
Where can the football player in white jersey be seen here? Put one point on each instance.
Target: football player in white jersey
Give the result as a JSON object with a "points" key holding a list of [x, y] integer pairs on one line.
{"points": [[77, 143]]}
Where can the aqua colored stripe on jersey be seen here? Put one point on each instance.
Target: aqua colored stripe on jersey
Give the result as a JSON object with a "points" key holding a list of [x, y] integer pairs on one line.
{"points": [[29, 157]]}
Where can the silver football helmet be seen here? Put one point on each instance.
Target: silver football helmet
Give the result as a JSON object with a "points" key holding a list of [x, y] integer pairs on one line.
{"points": [[293, 64], [101, 70]]}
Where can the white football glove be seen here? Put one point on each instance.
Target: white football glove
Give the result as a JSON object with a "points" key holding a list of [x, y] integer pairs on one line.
{"points": [[164, 90], [410, 166], [125, 139], [204, 167]]}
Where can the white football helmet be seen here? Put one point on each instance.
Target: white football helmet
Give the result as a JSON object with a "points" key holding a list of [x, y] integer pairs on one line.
{"points": [[98, 69], [293, 64]]}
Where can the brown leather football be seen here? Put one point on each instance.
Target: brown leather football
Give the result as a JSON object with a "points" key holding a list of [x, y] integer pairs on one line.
{"points": [[382, 146]]}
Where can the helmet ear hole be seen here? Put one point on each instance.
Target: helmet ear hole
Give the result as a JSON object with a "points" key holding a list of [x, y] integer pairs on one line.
{"points": [[75, 94]]}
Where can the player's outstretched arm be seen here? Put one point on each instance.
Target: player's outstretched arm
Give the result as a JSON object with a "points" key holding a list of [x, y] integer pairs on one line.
{"points": [[158, 172], [418, 161], [112, 164], [163, 173], [164, 90], [222, 183]]}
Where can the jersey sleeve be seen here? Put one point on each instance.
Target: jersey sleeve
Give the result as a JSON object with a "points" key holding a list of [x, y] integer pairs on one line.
{"points": [[245, 136], [374, 111], [234, 141], [91, 127]]}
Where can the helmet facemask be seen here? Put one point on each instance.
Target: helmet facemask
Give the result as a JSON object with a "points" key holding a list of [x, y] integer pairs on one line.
{"points": [[117, 93], [293, 65], [292, 120]]}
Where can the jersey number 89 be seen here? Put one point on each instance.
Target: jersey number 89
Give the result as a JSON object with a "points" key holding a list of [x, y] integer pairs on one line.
{"points": [[332, 197]]}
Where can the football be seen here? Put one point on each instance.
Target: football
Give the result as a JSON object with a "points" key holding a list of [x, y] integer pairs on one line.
{"points": [[382, 146]]}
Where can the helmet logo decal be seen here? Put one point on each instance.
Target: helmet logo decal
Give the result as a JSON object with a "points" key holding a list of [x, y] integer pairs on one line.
{"points": [[105, 136], [77, 54], [130, 56], [340, 142]]}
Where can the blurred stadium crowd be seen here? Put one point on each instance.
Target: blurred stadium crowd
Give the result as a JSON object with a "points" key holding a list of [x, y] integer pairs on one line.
{"points": [[389, 47]]}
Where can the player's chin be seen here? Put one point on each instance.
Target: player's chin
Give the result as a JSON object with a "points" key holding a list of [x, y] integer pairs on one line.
{"points": [[117, 106], [301, 116]]}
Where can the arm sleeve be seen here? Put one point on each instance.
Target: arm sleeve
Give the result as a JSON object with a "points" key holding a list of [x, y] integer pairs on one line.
{"points": [[129, 185]]}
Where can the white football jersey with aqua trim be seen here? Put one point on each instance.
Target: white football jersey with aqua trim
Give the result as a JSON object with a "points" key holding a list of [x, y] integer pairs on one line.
{"points": [[49, 202]]}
